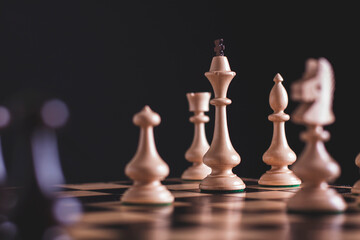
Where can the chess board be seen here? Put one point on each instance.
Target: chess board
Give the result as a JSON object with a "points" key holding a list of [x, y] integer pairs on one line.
{"points": [[257, 213]]}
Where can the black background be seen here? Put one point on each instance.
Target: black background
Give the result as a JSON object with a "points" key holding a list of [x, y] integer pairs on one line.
{"points": [[107, 59]]}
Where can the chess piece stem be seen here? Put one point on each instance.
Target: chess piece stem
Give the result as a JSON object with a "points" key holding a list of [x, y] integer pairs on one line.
{"points": [[221, 156], [279, 155], [315, 168], [198, 103], [147, 168], [356, 188]]}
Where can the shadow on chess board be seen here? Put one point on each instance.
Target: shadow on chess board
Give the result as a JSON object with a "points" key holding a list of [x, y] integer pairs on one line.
{"points": [[257, 213]]}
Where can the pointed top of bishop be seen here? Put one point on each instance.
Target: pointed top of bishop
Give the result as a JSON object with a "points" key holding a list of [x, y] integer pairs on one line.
{"points": [[278, 78], [278, 97]]}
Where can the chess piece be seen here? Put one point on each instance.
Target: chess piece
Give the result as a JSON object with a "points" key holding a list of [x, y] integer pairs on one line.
{"points": [[147, 168], [221, 156], [279, 155], [198, 103], [315, 167], [7, 228], [34, 132], [356, 188], [4, 121]]}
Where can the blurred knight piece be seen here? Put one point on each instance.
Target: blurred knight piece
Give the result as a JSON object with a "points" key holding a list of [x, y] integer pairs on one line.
{"points": [[315, 166]]}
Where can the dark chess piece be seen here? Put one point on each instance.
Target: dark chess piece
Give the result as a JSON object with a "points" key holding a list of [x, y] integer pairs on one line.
{"points": [[38, 213], [7, 228], [4, 121]]}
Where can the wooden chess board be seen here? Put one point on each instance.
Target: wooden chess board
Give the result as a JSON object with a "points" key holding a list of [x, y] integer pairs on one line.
{"points": [[257, 213]]}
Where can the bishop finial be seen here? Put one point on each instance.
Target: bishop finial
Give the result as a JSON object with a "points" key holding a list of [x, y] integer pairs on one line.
{"points": [[278, 78], [219, 47], [278, 98]]}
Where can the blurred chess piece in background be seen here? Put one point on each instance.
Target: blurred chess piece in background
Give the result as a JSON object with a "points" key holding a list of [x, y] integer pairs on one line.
{"points": [[198, 103], [4, 121], [8, 229], [315, 167], [356, 188], [38, 212]]}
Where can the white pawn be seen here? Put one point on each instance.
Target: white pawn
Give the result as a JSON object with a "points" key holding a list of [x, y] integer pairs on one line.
{"points": [[279, 155], [198, 103], [356, 188], [147, 168]]}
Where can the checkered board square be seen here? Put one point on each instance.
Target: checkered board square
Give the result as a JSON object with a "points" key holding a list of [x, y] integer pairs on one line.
{"points": [[256, 213]]}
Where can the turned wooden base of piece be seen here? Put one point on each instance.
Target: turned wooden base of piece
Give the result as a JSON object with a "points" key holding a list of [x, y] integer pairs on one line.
{"points": [[196, 172], [356, 188], [148, 194], [222, 184], [316, 200], [279, 178]]}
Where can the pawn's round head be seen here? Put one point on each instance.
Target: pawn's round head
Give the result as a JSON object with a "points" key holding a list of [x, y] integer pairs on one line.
{"points": [[357, 160], [54, 113], [146, 117], [4, 116]]}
